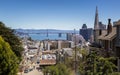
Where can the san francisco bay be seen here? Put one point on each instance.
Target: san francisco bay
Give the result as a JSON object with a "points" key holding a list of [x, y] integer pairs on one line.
{"points": [[50, 36]]}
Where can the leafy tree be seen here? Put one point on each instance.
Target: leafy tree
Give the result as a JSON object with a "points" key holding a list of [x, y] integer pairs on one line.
{"points": [[8, 60], [97, 65], [82, 60], [59, 69], [115, 73], [107, 66], [11, 38]]}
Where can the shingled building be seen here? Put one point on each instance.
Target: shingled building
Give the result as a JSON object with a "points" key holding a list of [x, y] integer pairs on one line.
{"points": [[110, 39]]}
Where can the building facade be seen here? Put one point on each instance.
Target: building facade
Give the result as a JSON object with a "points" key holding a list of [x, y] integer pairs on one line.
{"points": [[110, 40]]}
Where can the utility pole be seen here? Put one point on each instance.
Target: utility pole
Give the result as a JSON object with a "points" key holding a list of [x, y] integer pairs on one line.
{"points": [[75, 53], [47, 32]]}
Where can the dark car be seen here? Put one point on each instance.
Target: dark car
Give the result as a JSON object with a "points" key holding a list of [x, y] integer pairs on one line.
{"points": [[31, 69], [26, 71]]}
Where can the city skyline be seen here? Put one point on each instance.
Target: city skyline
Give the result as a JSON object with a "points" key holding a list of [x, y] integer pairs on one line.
{"points": [[56, 14]]}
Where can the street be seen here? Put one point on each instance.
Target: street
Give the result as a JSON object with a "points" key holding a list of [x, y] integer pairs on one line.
{"points": [[34, 72]]}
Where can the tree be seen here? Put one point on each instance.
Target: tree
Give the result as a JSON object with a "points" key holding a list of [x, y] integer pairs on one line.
{"points": [[8, 60], [12, 39], [82, 60], [95, 64], [59, 69], [107, 67], [98, 65]]}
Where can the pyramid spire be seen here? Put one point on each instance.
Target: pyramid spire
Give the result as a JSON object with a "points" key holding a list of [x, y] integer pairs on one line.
{"points": [[96, 23]]}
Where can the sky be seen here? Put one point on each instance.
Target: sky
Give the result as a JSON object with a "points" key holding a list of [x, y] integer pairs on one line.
{"points": [[56, 14]]}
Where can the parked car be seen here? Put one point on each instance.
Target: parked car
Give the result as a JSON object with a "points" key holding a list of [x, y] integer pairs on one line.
{"points": [[26, 71], [30, 69]]}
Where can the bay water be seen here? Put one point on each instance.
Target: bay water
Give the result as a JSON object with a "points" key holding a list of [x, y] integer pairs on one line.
{"points": [[49, 36]]}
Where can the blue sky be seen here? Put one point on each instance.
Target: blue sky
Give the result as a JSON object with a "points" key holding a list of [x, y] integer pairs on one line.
{"points": [[56, 14]]}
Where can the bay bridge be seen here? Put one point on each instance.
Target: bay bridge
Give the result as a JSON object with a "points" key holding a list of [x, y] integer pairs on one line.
{"points": [[45, 32]]}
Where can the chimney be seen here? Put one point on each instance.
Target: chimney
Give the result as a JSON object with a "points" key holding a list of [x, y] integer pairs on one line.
{"points": [[109, 28]]}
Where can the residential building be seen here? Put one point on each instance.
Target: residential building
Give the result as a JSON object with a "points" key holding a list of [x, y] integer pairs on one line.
{"points": [[69, 36], [57, 44], [107, 41], [110, 40]]}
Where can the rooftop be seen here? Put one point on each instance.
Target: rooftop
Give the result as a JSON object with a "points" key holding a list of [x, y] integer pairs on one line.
{"points": [[48, 62]]}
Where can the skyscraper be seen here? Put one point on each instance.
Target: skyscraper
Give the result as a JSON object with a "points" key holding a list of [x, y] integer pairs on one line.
{"points": [[96, 27], [96, 22], [86, 32]]}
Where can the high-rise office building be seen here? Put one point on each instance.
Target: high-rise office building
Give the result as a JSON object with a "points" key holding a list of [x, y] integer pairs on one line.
{"points": [[86, 32]]}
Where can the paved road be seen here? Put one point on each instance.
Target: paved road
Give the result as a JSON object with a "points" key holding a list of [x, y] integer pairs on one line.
{"points": [[34, 72]]}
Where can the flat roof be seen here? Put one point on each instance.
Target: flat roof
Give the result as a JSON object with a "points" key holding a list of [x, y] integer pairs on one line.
{"points": [[48, 62]]}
